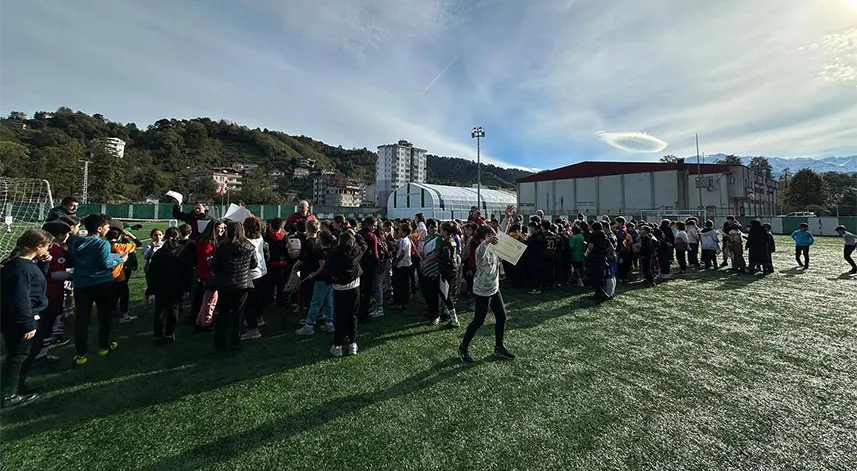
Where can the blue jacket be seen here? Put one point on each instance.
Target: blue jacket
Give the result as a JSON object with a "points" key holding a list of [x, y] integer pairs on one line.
{"points": [[803, 238], [92, 261]]}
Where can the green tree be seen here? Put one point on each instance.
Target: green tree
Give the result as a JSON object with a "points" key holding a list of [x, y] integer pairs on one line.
{"points": [[14, 159], [760, 166], [730, 159], [842, 192], [669, 159], [806, 188], [106, 178], [61, 166]]}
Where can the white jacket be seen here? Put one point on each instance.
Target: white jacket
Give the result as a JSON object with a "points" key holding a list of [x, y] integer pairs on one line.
{"points": [[693, 235], [261, 268], [710, 240]]}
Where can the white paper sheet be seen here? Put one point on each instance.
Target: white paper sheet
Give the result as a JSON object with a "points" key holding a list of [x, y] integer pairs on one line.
{"points": [[174, 223], [236, 213], [508, 248], [176, 196], [444, 289], [202, 224]]}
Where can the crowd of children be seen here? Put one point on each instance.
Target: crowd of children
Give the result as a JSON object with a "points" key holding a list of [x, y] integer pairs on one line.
{"points": [[339, 272]]}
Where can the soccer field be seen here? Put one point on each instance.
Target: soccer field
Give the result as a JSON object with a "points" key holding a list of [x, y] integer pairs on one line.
{"points": [[712, 370]]}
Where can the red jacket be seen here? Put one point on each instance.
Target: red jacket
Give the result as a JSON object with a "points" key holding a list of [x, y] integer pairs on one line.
{"points": [[204, 251], [296, 217], [57, 264]]}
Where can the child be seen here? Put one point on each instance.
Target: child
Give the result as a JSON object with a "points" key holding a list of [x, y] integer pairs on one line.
{"points": [[342, 271], [56, 276], [803, 239], [771, 248], [231, 265], [735, 240], [681, 247], [121, 273], [166, 280], [710, 242], [149, 250], [59, 251], [402, 269], [207, 294], [666, 243], [577, 246], [693, 239], [253, 314], [648, 250], [22, 297], [275, 280], [322, 293], [486, 292], [450, 264], [757, 246], [94, 285], [850, 243]]}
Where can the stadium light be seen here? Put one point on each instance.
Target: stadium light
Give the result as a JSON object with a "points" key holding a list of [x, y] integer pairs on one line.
{"points": [[478, 133]]}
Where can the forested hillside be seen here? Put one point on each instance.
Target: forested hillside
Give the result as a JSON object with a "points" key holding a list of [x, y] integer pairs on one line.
{"points": [[167, 153]]}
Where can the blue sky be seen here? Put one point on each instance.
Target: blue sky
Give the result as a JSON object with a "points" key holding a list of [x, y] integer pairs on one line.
{"points": [[552, 82]]}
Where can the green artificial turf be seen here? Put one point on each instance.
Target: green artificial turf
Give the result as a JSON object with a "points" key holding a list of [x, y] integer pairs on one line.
{"points": [[712, 370]]}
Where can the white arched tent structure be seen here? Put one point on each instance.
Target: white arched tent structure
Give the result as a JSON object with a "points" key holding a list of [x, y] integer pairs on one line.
{"points": [[445, 202]]}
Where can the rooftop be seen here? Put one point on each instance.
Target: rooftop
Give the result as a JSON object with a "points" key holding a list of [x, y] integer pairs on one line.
{"points": [[600, 169]]}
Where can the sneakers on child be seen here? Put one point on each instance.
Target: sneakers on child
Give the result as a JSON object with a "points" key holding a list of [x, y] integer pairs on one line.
{"points": [[126, 318], [106, 351], [464, 354], [502, 353], [80, 359], [535, 291], [326, 327], [305, 330], [336, 350], [260, 322], [377, 313], [351, 348], [251, 334]]}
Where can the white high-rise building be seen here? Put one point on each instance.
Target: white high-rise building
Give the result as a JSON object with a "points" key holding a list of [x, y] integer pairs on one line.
{"points": [[398, 164], [113, 145]]}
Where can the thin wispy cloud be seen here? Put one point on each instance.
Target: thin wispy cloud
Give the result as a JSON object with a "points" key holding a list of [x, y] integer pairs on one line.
{"points": [[633, 141], [543, 78]]}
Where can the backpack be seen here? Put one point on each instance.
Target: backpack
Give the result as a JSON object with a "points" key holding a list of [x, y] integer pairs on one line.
{"points": [[293, 246]]}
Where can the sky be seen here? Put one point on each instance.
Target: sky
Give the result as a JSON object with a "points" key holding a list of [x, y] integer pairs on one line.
{"points": [[551, 82]]}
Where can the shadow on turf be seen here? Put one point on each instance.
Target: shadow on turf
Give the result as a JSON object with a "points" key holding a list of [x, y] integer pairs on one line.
{"points": [[225, 448], [122, 381]]}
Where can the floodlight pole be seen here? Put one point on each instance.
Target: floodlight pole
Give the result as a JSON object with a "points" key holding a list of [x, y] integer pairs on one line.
{"points": [[84, 197], [699, 181], [478, 133]]}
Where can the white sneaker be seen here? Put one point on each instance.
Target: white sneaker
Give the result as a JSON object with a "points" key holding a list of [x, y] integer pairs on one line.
{"points": [[260, 322], [326, 327], [305, 330], [352, 348], [251, 335], [378, 313], [336, 351], [126, 318]]}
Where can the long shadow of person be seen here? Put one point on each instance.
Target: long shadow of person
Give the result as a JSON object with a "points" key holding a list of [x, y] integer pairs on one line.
{"points": [[227, 448]]}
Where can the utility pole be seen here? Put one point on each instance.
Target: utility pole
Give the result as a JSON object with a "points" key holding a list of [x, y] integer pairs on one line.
{"points": [[478, 133], [699, 181], [84, 195]]}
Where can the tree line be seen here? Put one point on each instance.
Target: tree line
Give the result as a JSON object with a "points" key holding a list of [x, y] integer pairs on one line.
{"points": [[170, 154]]}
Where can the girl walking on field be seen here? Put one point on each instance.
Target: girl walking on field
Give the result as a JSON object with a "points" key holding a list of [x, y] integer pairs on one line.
{"points": [[166, 280]]}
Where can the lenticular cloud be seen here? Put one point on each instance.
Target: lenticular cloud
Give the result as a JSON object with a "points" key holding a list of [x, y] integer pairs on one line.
{"points": [[633, 141]]}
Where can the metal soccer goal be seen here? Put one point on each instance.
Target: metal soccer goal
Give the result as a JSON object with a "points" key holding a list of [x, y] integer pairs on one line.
{"points": [[24, 203]]}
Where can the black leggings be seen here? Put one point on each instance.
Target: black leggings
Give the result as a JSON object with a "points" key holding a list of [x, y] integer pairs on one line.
{"points": [[227, 325], [166, 314], [802, 249], [482, 303], [345, 306], [123, 295], [17, 350]]}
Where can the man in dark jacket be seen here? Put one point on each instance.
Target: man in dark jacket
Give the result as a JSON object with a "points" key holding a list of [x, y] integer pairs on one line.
{"points": [[68, 207], [198, 218]]}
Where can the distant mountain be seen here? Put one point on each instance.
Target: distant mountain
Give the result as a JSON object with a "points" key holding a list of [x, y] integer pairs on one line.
{"points": [[826, 164]]}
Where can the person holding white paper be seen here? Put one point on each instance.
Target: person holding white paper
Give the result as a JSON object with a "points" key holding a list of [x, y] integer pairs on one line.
{"points": [[198, 218]]}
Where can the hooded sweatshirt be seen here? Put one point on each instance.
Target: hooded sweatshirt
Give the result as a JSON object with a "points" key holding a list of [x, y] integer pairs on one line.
{"points": [[277, 249], [93, 264], [709, 239]]}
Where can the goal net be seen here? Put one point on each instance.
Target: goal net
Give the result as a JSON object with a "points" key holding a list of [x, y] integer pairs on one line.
{"points": [[24, 204], [657, 215]]}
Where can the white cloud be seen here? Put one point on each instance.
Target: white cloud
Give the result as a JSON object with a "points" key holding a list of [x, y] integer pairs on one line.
{"points": [[543, 77], [633, 141]]}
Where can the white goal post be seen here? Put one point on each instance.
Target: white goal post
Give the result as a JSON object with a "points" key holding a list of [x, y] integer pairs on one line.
{"points": [[24, 204]]}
